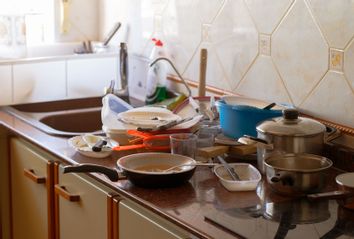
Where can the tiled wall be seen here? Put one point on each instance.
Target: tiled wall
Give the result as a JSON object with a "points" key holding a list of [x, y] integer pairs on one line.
{"points": [[294, 51]]}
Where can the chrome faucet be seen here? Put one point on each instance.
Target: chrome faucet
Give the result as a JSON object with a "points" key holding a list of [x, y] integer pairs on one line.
{"points": [[174, 68], [123, 92]]}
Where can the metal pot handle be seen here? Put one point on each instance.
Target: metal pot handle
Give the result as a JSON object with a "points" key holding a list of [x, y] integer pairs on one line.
{"points": [[247, 139], [331, 133]]}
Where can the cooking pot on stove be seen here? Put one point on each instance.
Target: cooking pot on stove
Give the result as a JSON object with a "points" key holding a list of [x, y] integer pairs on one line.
{"points": [[288, 134]]}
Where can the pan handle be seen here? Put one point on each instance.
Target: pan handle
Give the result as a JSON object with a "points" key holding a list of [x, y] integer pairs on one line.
{"points": [[111, 173], [330, 195]]}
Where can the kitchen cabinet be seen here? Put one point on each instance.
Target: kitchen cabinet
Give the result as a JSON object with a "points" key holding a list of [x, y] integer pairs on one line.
{"points": [[89, 77], [6, 84], [39, 81], [136, 222], [31, 192], [49, 204], [83, 207]]}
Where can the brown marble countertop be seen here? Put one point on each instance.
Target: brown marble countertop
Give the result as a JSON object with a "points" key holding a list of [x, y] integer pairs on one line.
{"points": [[185, 206]]}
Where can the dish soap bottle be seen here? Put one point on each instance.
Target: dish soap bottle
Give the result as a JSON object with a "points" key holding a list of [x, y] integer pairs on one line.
{"points": [[156, 78]]}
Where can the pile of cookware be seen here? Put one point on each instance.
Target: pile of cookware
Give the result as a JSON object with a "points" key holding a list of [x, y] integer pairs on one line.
{"points": [[289, 147]]}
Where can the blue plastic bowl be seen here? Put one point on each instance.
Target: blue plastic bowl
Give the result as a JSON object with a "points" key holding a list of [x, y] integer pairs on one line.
{"points": [[238, 120]]}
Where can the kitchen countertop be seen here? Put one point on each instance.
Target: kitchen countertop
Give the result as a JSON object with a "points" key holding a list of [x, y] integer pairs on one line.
{"points": [[202, 206]]}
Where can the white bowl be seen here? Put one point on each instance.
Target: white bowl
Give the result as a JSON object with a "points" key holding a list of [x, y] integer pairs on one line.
{"points": [[249, 175], [79, 144]]}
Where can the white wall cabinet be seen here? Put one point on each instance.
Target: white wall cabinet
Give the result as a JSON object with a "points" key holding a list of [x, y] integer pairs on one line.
{"points": [[41, 81], [31, 182], [6, 84], [89, 77]]}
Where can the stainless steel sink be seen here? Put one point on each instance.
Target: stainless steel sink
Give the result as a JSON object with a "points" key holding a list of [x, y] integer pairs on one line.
{"points": [[62, 118]]}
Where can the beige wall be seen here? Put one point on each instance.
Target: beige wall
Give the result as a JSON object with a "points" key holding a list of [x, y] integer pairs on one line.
{"points": [[293, 51]]}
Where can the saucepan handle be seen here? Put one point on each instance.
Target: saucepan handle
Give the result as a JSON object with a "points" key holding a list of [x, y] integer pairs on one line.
{"points": [[247, 139], [330, 195], [111, 173]]}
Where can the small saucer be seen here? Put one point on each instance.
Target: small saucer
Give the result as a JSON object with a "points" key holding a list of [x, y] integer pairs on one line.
{"points": [[79, 144]]}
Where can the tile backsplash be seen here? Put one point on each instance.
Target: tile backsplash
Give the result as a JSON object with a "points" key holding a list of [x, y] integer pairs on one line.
{"points": [[292, 51]]}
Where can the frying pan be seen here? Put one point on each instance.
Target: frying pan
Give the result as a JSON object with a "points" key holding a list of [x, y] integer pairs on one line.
{"points": [[140, 169], [344, 194]]}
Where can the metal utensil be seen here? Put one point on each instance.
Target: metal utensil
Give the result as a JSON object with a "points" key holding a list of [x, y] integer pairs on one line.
{"points": [[229, 169], [111, 33], [188, 164]]}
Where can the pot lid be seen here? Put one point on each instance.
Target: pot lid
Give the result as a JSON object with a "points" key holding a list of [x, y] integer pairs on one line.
{"points": [[290, 124]]}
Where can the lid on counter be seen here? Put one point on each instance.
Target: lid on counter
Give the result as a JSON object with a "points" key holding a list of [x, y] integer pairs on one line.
{"points": [[290, 124]]}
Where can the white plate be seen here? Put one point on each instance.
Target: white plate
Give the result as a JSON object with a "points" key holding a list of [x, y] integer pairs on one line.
{"points": [[81, 146], [148, 116]]}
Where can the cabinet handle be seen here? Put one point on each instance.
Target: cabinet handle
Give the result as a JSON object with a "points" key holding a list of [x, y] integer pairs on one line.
{"points": [[61, 190], [29, 173]]}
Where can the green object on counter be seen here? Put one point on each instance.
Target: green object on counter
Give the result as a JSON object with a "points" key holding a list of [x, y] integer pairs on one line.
{"points": [[159, 95], [172, 103]]}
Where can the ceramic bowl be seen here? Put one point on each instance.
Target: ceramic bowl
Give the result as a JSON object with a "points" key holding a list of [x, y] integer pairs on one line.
{"points": [[250, 177]]}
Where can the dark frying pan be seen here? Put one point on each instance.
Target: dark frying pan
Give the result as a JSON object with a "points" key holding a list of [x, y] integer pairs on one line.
{"points": [[145, 169], [345, 194]]}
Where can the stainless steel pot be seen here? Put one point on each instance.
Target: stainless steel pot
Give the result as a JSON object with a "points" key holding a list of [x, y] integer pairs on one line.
{"points": [[297, 174], [288, 134]]}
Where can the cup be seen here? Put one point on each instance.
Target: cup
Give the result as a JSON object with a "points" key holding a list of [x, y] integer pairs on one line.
{"points": [[184, 144], [205, 140]]}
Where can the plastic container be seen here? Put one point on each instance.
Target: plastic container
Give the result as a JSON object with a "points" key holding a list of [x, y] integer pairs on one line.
{"points": [[238, 120], [249, 175], [157, 74]]}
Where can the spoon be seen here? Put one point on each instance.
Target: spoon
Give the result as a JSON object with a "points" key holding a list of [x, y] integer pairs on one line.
{"points": [[189, 164], [229, 169]]}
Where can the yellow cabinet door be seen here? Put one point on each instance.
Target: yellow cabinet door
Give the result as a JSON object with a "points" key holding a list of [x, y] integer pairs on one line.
{"points": [[83, 207], [136, 222], [30, 191]]}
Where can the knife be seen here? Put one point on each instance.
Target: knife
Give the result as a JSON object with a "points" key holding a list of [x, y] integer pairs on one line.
{"points": [[229, 169]]}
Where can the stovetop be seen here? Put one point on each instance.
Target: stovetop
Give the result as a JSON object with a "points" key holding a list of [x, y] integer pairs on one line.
{"points": [[293, 219]]}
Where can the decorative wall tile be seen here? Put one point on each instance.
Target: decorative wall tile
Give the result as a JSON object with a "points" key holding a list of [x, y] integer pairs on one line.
{"points": [[214, 74], [332, 100], [266, 14], [182, 26], [264, 44], [336, 58], [336, 19], [235, 39], [262, 81], [206, 33], [300, 52], [349, 63]]}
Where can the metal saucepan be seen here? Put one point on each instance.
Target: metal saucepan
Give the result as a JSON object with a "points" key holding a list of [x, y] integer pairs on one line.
{"points": [[289, 134], [145, 169], [345, 193], [297, 174]]}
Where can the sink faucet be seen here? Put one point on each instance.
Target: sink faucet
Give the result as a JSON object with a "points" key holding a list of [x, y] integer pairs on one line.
{"points": [[174, 68], [123, 92]]}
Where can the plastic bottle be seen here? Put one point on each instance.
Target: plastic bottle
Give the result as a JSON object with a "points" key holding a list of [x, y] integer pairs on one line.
{"points": [[156, 78]]}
